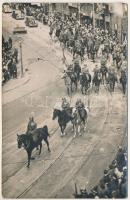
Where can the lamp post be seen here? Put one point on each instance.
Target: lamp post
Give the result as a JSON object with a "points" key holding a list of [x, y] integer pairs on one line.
{"points": [[93, 15], [79, 13], [20, 44]]}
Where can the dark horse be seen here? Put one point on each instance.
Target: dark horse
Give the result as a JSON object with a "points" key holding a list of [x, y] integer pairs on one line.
{"points": [[29, 142], [63, 118], [112, 79], [97, 81], [123, 81], [85, 80], [74, 81]]}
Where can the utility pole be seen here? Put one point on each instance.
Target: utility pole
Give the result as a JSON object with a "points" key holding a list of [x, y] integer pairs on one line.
{"points": [[21, 59], [79, 12]]}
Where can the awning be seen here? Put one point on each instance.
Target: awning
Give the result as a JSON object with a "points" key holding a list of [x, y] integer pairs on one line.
{"points": [[74, 5], [36, 4]]}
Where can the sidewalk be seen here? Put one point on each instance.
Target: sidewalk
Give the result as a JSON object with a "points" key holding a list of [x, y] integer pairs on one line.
{"points": [[16, 83]]}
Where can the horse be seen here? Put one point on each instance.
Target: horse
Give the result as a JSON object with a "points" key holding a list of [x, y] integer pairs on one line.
{"points": [[32, 141], [63, 118], [78, 49], [85, 80], [123, 81], [90, 46], [79, 119], [103, 71], [77, 70], [97, 81], [74, 81], [111, 81]]}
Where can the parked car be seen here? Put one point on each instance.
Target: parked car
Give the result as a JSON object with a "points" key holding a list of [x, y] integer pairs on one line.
{"points": [[19, 30], [31, 22], [16, 14], [6, 8]]}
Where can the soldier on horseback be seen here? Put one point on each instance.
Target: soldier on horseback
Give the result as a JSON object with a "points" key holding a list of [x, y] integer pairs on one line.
{"points": [[103, 71], [65, 104], [79, 117], [79, 104], [32, 125], [85, 80], [77, 68], [123, 80], [112, 78], [96, 79]]}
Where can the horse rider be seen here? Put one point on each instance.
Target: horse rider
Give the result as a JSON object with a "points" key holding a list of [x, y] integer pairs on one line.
{"points": [[65, 104], [32, 125], [96, 69], [88, 77], [103, 71], [112, 78], [79, 105], [77, 69]]}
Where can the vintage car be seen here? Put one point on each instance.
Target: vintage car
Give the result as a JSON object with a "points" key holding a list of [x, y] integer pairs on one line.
{"points": [[20, 29], [31, 22], [6, 8], [17, 15]]}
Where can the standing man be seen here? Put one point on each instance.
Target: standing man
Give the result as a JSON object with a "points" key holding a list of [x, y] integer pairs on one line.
{"points": [[14, 68], [15, 55], [10, 43]]}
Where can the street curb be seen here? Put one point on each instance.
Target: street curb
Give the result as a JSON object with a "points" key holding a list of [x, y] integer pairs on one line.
{"points": [[15, 87]]}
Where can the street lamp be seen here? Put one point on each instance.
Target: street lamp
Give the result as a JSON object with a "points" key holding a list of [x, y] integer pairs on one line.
{"points": [[20, 44], [93, 16]]}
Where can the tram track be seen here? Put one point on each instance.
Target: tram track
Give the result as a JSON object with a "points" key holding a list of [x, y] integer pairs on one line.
{"points": [[61, 154], [86, 158], [108, 115]]}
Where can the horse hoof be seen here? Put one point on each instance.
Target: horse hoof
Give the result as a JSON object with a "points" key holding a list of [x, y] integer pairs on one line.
{"points": [[27, 166]]}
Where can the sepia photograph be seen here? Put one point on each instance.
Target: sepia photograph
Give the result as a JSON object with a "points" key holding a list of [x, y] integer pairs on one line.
{"points": [[64, 104]]}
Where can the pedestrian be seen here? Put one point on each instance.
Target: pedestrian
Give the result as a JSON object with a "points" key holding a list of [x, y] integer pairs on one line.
{"points": [[14, 69], [10, 42], [15, 55]]}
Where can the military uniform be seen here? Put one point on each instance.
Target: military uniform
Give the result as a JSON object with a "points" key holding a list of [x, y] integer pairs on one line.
{"points": [[31, 126], [65, 105], [79, 105]]}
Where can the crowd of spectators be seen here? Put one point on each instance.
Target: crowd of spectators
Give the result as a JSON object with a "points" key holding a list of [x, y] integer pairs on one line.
{"points": [[9, 60], [114, 183]]}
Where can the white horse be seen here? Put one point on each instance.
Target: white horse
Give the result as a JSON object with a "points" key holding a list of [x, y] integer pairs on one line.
{"points": [[80, 120]]}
